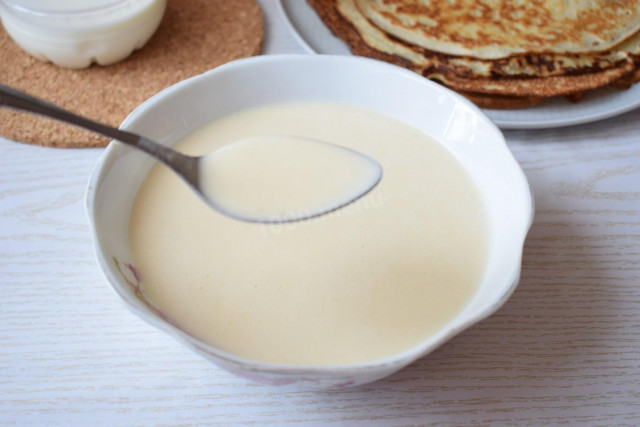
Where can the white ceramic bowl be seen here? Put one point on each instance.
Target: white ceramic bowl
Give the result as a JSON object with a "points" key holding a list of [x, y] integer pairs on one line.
{"points": [[447, 117]]}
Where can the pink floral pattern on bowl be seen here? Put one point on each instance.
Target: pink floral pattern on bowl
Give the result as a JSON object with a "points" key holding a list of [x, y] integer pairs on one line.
{"points": [[136, 286]]}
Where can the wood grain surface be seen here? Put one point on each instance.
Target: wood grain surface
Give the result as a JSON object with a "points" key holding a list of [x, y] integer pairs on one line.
{"points": [[564, 350]]}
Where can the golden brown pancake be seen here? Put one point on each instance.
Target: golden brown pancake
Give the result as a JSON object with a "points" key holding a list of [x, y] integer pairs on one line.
{"points": [[514, 81], [493, 29], [501, 102], [537, 86], [532, 65]]}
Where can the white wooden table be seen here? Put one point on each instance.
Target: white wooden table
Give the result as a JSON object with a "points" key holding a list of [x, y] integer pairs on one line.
{"points": [[565, 349]]}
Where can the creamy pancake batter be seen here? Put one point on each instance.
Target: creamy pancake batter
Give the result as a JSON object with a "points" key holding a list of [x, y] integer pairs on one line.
{"points": [[276, 178], [359, 284]]}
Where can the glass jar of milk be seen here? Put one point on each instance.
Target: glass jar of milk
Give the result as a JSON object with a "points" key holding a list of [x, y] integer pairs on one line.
{"points": [[76, 33]]}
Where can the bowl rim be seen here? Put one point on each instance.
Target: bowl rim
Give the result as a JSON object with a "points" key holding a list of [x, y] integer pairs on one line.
{"points": [[393, 362]]}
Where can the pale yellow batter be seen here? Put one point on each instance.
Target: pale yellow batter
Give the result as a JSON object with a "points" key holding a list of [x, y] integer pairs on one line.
{"points": [[275, 178], [359, 284]]}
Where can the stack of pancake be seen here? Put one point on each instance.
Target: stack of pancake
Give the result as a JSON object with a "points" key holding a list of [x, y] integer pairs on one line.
{"points": [[498, 53]]}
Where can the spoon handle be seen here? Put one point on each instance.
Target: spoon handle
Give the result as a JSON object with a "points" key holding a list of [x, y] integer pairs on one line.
{"points": [[15, 99]]}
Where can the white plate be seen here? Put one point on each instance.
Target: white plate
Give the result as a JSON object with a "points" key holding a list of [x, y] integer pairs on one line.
{"points": [[601, 104]]}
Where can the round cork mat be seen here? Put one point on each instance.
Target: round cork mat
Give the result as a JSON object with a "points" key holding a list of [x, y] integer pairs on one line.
{"points": [[194, 36]]}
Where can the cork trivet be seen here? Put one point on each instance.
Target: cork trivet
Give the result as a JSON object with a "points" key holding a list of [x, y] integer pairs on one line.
{"points": [[194, 36]]}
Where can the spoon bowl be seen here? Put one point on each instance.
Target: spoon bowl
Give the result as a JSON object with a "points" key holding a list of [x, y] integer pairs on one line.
{"points": [[291, 174], [274, 179]]}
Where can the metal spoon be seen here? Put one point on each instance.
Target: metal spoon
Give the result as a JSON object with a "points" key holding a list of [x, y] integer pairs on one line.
{"points": [[187, 167]]}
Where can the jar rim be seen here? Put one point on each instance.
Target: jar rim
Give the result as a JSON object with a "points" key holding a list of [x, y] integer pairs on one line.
{"points": [[79, 21], [31, 7]]}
